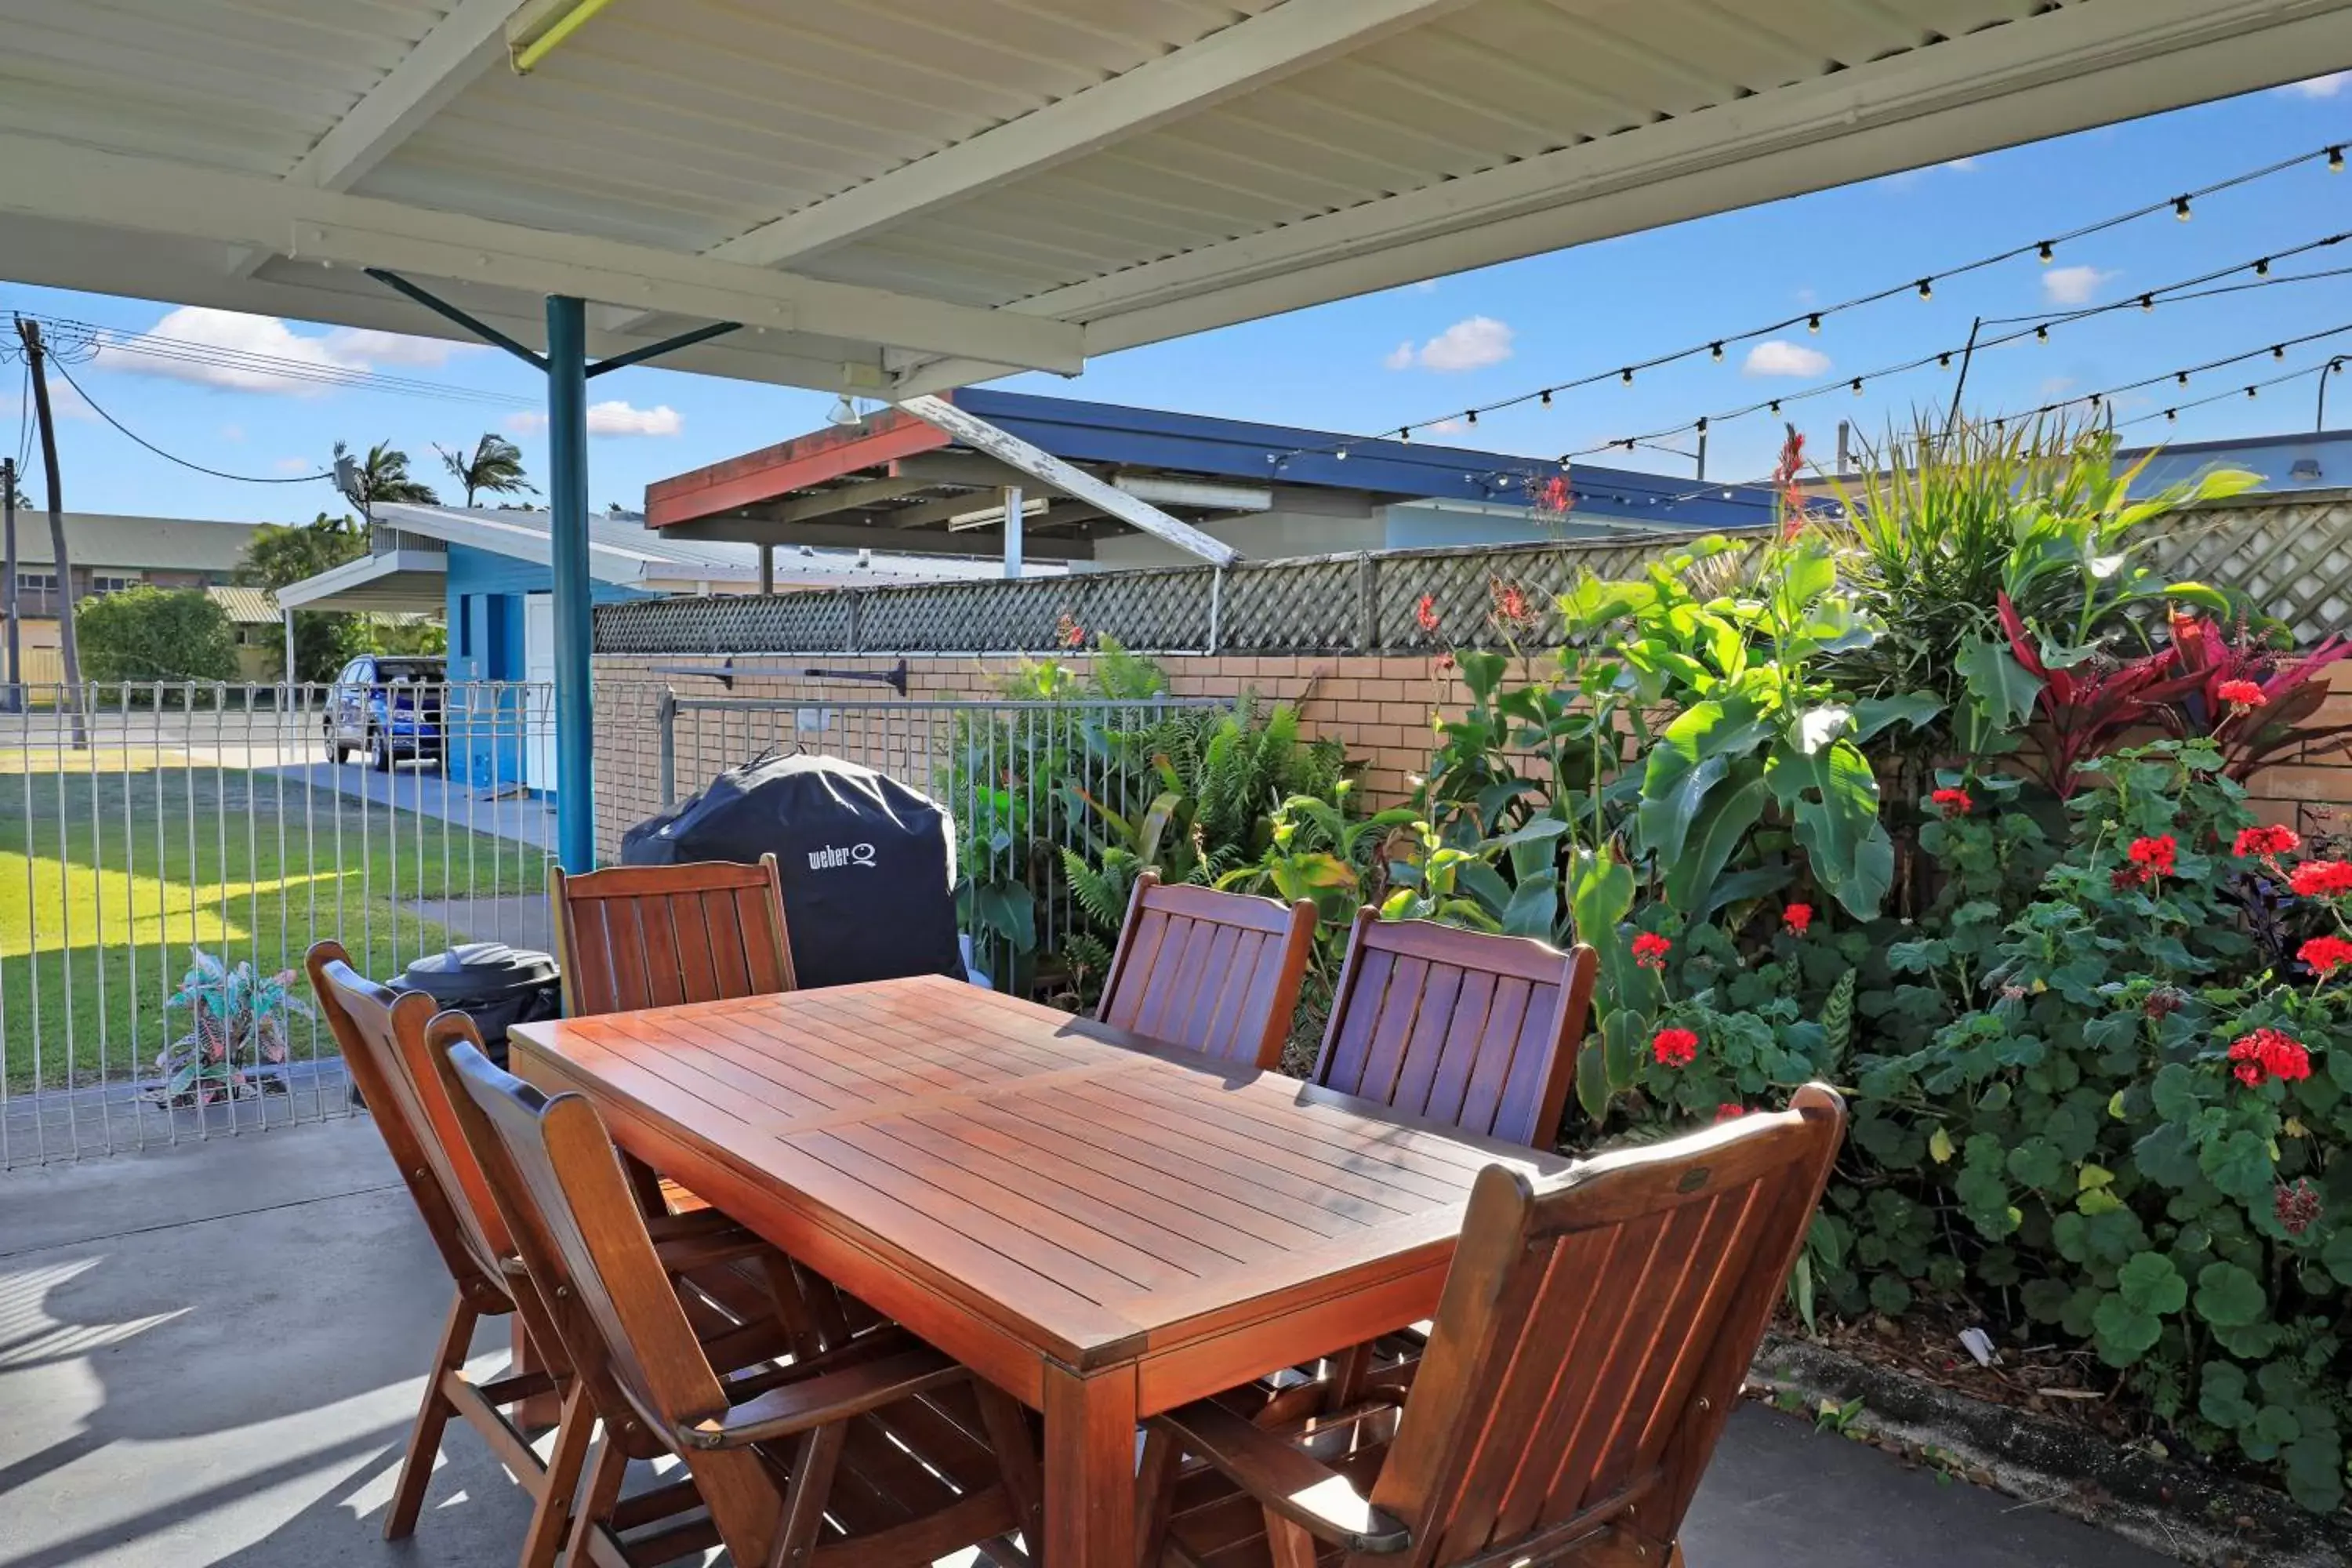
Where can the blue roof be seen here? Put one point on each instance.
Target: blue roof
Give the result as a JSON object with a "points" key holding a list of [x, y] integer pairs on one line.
{"points": [[1081, 431]]}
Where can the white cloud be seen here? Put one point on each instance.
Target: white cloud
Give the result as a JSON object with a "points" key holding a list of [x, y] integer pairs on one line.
{"points": [[64, 402], [295, 465], [525, 424], [1446, 427], [269, 338], [1776, 357], [1470, 343], [2319, 86], [361, 345], [2073, 285], [618, 418]]}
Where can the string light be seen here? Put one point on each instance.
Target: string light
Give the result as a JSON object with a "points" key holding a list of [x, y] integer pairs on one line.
{"points": [[2181, 377], [1405, 437], [1626, 376], [1701, 427], [2336, 160], [2278, 351], [2263, 267], [2254, 392], [2172, 415], [1943, 360], [1340, 455], [1814, 323], [1926, 288], [2148, 302], [1470, 416], [1545, 399], [2180, 209], [2048, 253], [2042, 334], [1776, 405], [1857, 386], [1714, 352]]}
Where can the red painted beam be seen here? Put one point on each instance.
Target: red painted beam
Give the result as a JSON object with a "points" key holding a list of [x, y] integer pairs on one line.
{"points": [[774, 472]]}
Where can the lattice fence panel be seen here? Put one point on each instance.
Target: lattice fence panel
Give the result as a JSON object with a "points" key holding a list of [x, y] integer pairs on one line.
{"points": [[1165, 609], [813, 622], [1471, 596], [966, 617], [1294, 606], [2292, 558]]}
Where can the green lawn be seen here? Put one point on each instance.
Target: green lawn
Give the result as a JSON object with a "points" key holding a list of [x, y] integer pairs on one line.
{"points": [[111, 872]]}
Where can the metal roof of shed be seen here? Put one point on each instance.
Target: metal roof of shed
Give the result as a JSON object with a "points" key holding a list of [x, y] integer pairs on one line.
{"points": [[901, 195]]}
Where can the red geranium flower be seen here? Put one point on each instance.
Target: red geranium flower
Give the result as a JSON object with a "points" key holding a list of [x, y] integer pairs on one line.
{"points": [[1674, 1048], [2325, 954], [2240, 695], [1426, 612], [2269, 1054], [2254, 841], [1730, 1110], [2154, 856], [2297, 1206], [1952, 802], [1796, 918], [2321, 878], [1650, 949]]}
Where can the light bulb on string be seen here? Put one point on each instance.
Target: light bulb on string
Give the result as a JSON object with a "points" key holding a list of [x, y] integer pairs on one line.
{"points": [[2172, 417], [1857, 386], [1814, 323], [1546, 398], [1626, 376], [1943, 360], [2278, 351], [2336, 160], [2147, 302], [2048, 253], [1700, 427], [2042, 334], [2263, 267], [1714, 352], [1470, 416], [1926, 288], [1340, 455], [1776, 405], [1627, 443], [1405, 436], [2254, 392], [2181, 377], [2180, 209]]}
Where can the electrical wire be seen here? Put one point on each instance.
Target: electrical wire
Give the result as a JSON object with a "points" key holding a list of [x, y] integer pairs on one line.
{"points": [[2179, 206], [199, 467], [101, 339]]}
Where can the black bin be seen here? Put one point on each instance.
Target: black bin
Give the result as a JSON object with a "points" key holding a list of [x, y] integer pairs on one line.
{"points": [[495, 986]]}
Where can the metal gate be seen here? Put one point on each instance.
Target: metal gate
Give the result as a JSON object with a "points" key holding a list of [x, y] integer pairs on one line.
{"points": [[168, 854]]}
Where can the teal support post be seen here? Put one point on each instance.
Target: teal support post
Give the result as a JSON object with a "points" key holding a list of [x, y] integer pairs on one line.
{"points": [[567, 498]]}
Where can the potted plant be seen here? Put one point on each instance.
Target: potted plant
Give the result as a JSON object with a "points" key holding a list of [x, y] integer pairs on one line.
{"points": [[238, 1024]]}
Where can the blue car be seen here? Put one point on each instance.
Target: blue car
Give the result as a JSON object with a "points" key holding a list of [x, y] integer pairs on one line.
{"points": [[388, 709]]}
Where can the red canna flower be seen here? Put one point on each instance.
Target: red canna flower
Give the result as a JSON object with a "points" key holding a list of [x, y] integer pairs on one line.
{"points": [[2297, 1205], [1067, 632], [1952, 802], [1426, 612], [2243, 696], [1650, 949], [2325, 954], [1444, 663], [1511, 607], [1792, 494], [1796, 918], [1730, 1110], [2268, 1053], [2254, 841], [1674, 1048], [2154, 856], [2321, 878]]}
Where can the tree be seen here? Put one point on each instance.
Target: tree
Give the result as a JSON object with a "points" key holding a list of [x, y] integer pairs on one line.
{"points": [[496, 467], [156, 634], [382, 475], [281, 554]]}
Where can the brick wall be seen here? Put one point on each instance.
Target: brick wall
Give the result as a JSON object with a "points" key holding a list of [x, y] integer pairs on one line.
{"points": [[1378, 707]]}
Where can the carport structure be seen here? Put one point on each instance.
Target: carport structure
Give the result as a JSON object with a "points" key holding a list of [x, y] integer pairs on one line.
{"points": [[888, 198]]}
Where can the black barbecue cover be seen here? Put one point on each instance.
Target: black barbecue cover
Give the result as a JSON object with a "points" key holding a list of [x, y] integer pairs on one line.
{"points": [[869, 865]]}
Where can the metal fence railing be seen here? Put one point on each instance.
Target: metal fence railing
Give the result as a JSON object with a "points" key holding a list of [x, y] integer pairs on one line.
{"points": [[168, 844], [1022, 780]]}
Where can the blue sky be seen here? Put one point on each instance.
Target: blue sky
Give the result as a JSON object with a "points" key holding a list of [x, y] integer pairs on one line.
{"points": [[1419, 352]]}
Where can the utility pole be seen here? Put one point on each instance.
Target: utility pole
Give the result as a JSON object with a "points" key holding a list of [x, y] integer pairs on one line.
{"points": [[13, 700], [68, 648], [1961, 382]]}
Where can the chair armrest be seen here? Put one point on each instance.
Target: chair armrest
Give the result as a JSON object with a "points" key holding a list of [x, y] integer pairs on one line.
{"points": [[821, 1400], [1285, 1479]]}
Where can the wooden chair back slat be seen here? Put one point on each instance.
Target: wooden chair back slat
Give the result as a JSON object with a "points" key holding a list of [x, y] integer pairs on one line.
{"points": [[1593, 1335], [585, 1244], [659, 936], [382, 1032], [1460, 1026], [1215, 972]]}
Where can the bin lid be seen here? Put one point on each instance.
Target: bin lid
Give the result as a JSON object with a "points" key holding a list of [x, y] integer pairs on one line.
{"points": [[479, 971]]}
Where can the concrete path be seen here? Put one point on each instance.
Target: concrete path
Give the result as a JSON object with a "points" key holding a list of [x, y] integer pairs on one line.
{"points": [[210, 1355], [527, 819]]}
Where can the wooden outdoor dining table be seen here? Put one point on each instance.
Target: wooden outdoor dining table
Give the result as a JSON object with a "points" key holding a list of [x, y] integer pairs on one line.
{"points": [[1104, 1227]]}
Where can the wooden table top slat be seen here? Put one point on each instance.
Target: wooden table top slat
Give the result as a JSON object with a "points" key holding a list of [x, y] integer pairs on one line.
{"points": [[1084, 1190]]}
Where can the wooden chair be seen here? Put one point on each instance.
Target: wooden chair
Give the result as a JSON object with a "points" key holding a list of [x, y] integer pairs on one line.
{"points": [[1215, 972], [876, 1451], [658, 936], [1460, 1026], [1589, 1347], [382, 1033]]}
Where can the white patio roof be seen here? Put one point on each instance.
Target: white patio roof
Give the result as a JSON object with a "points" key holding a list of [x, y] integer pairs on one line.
{"points": [[900, 196]]}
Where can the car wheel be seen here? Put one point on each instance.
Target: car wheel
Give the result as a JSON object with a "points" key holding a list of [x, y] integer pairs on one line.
{"points": [[342, 754], [380, 750]]}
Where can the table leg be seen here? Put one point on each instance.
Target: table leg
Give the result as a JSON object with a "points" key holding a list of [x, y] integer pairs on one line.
{"points": [[1089, 1469]]}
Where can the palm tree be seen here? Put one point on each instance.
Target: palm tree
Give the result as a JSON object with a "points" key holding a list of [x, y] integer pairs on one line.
{"points": [[382, 475], [496, 467]]}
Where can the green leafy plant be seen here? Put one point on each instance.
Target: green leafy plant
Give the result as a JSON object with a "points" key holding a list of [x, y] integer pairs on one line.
{"points": [[237, 1023]]}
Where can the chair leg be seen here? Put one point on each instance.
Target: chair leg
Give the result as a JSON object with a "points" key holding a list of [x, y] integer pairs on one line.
{"points": [[575, 1431], [1291, 1545], [1007, 1426], [813, 1464], [605, 1473], [1155, 1495], [432, 1415]]}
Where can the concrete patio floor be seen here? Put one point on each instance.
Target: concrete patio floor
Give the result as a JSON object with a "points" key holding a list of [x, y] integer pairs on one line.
{"points": [[210, 1354]]}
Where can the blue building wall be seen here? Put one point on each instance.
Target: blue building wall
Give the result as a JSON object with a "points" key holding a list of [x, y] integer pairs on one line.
{"points": [[484, 613], [2316, 460]]}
